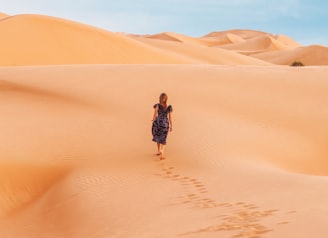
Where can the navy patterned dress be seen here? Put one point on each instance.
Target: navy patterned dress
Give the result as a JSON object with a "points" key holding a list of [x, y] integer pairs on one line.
{"points": [[161, 124]]}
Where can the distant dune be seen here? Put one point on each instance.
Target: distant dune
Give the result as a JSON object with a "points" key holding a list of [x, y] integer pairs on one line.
{"points": [[164, 36], [245, 34], [228, 38], [308, 55], [45, 40], [259, 44], [201, 54], [287, 41]]}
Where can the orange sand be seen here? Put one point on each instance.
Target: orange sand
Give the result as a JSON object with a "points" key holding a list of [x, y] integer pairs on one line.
{"points": [[247, 156]]}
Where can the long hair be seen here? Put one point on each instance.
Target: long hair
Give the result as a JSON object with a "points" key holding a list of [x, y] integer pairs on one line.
{"points": [[163, 100]]}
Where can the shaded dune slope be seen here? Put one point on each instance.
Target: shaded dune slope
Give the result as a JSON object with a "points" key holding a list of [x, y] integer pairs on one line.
{"points": [[23, 182]]}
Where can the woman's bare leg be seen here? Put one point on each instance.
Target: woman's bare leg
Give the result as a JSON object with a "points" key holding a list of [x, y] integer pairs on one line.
{"points": [[158, 149], [162, 151]]}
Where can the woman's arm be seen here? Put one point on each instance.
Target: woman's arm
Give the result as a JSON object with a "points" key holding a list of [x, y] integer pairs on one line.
{"points": [[155, 113], [170, 119]]}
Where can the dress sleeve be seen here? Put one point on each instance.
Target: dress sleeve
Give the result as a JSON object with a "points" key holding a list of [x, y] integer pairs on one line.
{"points": [[155, 105], [170, 109]]}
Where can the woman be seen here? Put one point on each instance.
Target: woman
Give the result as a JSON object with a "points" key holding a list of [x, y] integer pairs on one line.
{"points": [[162, 123]]}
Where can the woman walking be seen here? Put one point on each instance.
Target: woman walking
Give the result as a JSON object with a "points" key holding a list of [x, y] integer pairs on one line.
{"points": [[162, 123]]}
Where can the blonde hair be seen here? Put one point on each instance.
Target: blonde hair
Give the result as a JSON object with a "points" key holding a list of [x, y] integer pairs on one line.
{"points": [[163, 100]]}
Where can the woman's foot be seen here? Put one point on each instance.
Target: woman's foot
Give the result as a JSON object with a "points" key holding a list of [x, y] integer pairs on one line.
{"points": [[161, 157]]}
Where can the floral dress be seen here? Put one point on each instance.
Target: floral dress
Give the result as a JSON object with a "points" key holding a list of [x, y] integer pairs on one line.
{"points": [[161, 124]]}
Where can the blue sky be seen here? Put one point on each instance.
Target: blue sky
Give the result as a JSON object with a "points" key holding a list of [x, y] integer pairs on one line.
{"points": [[306, 21]]}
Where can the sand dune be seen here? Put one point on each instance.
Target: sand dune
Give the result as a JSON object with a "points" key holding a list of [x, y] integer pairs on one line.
{"points": [[66, 42], [173, 36], [202, 54], [49, 40], [247, 156], [250, 42], [287, 41], [244, 34], [258, 44], [239, 162], [308, 55], [164, 36]]}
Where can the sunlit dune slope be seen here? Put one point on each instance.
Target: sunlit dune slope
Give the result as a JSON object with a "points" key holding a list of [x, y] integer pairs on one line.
{"points": [[41, 40], [219, 38], [287, 41], [258, 44], [200, 53], [308, 55]]}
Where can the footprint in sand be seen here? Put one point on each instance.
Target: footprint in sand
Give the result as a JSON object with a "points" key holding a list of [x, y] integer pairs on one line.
{"points": [[240, 217]]}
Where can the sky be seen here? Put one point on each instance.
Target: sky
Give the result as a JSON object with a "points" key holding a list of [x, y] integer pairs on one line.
{"points": [[306, 21]]}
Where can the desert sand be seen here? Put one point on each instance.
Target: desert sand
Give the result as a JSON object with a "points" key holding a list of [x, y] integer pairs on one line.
{"points": [[247, 156]]}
